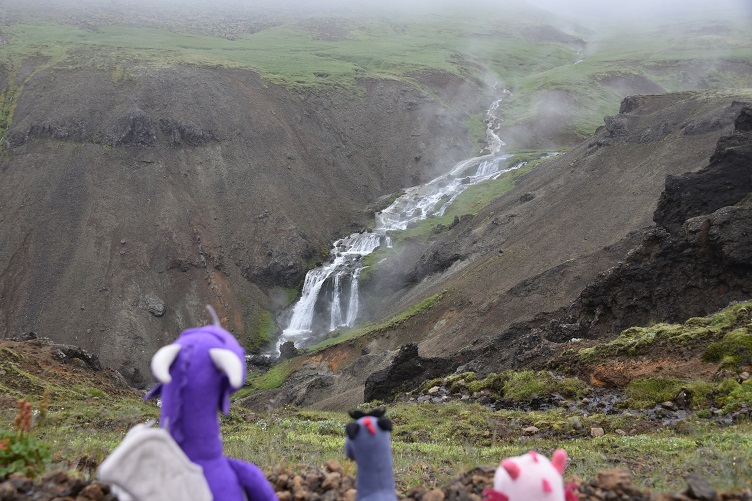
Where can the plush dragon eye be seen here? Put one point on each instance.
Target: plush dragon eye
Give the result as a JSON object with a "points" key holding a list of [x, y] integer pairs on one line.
{"points": [[385, 424], [352, 429]]}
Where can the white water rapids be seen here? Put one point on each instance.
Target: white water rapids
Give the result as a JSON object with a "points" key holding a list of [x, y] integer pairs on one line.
{"points": [[330, 297]]}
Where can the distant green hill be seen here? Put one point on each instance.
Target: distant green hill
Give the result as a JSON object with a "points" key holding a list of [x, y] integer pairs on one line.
{"points": [[544, 64]]}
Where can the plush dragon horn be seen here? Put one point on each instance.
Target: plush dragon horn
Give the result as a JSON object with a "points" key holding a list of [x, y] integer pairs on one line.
{"points": [[214, 316], [229, 363], [162, 360]]}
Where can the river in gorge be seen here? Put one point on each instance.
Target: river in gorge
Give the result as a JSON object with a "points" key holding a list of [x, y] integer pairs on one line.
{"points": [[330, 299]]}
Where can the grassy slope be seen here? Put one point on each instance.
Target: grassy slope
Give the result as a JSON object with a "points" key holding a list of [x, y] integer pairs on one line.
{"points": [[432, 443]]}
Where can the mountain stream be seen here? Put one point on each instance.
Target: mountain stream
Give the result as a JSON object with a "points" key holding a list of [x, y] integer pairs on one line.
{"points": [[330, 298]]}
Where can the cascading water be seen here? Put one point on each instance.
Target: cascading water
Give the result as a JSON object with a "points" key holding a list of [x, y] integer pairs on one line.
{"points": [[330, 297]]}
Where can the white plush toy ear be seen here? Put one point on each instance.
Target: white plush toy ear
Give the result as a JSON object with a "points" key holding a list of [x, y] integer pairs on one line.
{"points": [[229, 363], [559, 460], [162, 360]]}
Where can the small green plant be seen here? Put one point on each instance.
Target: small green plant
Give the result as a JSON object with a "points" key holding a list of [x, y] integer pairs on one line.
{"points": [[20, 451]]}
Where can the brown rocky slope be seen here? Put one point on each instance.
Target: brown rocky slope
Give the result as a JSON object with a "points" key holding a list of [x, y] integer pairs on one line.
{"points": [[128, 204], [521, 262]]}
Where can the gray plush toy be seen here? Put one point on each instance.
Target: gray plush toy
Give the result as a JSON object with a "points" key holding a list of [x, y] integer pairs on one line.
{"points": [[368, 442]]}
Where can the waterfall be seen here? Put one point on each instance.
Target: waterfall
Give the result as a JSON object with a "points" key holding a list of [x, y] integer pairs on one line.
{"points": [[354, 303], [320, 306], [302, 314]]}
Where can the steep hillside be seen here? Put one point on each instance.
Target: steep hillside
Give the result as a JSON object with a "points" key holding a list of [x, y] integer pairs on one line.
{"points": [[528, 254], [128, 204]]}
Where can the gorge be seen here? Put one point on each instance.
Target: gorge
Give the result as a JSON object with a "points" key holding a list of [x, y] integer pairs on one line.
{"points": [[157, 161]]}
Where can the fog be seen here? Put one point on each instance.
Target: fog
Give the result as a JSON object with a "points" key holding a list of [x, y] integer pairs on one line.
{"points": [[594, 10], [591, 13]]}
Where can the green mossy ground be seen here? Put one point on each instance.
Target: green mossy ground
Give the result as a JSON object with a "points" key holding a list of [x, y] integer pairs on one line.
{"points": [[432, 443]]}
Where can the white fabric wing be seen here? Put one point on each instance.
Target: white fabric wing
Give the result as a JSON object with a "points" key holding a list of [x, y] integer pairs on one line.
{"points": [[150, 466]]}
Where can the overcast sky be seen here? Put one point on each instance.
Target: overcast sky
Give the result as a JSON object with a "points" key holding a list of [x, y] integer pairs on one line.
{"points": [[641, 8], [589, 12]]}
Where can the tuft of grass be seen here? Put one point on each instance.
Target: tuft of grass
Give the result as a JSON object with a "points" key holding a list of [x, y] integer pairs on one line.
{"points": [[524, 385]]}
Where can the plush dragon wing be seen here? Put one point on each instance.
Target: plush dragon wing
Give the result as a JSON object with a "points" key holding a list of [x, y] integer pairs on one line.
{"points": [[150, 466]]}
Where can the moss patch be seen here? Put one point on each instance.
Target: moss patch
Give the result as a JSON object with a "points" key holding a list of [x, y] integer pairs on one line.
{"points": [[735, 395], [514, 385], [697, 333], [649, 392], [734, 351]]}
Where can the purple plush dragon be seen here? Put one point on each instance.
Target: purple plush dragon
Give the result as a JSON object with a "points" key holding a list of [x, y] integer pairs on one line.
{"points": [[196, 374]]}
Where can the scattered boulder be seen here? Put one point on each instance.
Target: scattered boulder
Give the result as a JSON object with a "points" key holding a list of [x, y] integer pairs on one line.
{"points": [[699, 488], [287, 350], [597, 432], [155, 306]]}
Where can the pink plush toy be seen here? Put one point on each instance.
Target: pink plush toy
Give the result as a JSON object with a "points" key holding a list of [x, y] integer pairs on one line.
{"points": [[531, 477]]}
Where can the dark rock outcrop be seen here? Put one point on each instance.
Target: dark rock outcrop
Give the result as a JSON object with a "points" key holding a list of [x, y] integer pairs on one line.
{"points": [[689, 265], [406, 371], [63, 352], [726, 181], [178, 134], [135, 128]]}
